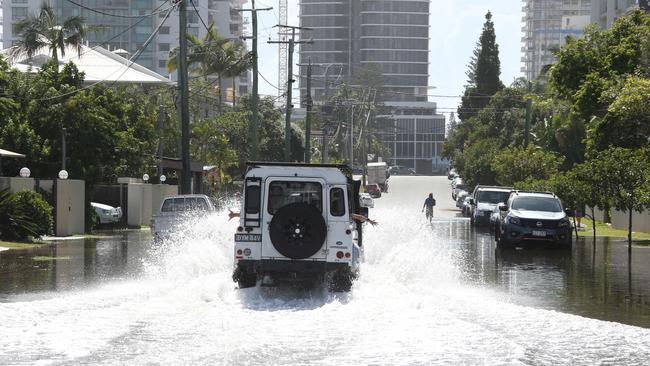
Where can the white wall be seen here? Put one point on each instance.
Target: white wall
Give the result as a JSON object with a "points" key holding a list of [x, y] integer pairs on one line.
{"points": [[70, 210], [16, 184]]}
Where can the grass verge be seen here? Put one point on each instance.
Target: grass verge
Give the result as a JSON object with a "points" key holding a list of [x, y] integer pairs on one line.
{"points": [[603, 229], [20, 245]]}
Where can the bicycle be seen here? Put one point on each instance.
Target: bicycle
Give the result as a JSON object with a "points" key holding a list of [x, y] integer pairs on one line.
{"points": [[429, 213]]}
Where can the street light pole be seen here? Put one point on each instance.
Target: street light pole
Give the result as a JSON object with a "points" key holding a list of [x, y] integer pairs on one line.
{"points": [[63, 148]]}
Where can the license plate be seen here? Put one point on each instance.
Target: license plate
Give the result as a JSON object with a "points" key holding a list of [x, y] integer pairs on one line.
{"points": [[539, 233], [248, 237]]}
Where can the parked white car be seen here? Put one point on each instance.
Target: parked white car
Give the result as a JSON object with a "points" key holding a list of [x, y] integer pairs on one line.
{"points": [[365, 200], [175, 210], [107, 214]]}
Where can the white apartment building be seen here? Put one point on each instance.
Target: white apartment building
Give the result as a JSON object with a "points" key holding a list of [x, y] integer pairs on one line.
{"points": [[546, 24], [604, 12], [130, 34]]}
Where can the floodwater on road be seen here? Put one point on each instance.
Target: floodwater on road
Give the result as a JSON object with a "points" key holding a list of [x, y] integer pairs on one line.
{"points": [[437, 293]]}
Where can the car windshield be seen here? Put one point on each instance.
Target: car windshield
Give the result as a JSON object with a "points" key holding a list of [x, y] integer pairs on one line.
{"points": [[546, 204], [493, 197]]}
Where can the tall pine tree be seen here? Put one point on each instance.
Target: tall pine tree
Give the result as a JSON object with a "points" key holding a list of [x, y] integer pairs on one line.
{"points": [[484, 70]]}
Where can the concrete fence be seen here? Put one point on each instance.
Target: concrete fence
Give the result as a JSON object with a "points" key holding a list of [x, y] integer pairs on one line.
{"points": [[145, 199], [16, 184], [620, 220]]}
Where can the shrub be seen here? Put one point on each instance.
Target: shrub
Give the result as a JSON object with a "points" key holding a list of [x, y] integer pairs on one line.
{"points": [[15, 224], [34, 206]]}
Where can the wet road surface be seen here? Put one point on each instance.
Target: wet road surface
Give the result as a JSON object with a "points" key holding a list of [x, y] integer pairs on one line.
{"points": [[438, 293]]}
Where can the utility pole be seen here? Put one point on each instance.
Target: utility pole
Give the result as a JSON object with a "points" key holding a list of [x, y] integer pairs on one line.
{"points": [[183, 91], [287, 119], [255, 96], [161, 122], [529, 115], [308, 103]]}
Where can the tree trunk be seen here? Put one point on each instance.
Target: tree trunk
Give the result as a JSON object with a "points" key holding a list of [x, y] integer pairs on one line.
{"points": [[220, 94], [629, 231], [593, 221], [234, 93]]}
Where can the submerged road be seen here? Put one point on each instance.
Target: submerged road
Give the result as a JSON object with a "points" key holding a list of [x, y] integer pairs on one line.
{"points": [[429, 293]]}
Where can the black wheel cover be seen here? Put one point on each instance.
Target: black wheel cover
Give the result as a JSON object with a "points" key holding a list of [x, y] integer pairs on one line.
{"points": [[298, 230]]}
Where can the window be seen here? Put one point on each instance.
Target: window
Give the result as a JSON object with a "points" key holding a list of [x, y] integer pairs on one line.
{"points": [[162, 63], [337, 202], [18, 13], [184, 204], [164, 30], [282, 193], [163, 47], [252, 204]]}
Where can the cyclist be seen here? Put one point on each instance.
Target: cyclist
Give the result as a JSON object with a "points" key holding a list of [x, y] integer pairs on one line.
{"points": [[428, 204]]}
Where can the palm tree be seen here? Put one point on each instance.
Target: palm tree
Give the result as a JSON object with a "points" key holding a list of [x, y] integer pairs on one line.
{"points": [[45, 30], [239, 62], [212, 55]]}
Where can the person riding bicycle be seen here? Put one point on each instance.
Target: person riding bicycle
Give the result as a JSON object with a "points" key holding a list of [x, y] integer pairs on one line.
{"points": [[428, 204]]}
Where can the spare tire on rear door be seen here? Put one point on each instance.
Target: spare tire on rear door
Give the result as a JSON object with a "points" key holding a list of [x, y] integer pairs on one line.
{"points": [[298, 230]]}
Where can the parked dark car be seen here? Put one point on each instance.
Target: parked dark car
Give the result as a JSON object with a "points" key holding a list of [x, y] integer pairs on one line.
{"points": [[401, 170], [373, 190], [533, 216]]}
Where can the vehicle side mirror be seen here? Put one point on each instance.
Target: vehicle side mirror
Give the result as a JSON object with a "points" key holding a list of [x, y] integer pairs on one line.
{"points": [[569, 212], [503, 207], [471, 201]]}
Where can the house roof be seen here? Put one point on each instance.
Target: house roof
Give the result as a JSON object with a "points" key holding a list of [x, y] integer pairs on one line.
{"points": [[97, 63]]}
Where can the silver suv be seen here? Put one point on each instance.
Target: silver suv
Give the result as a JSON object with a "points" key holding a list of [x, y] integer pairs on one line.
{"points": [[484, 201]]}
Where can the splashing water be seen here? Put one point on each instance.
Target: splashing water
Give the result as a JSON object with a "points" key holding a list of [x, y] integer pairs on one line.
{"points": [[410, 306]]}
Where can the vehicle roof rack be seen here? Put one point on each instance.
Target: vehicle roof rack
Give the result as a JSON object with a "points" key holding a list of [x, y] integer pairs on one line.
{"points": [[498, 187], [517, 191], [344, 168]]}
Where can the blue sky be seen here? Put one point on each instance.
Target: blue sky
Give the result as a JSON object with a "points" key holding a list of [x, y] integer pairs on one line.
{"points": [[455, 28]]}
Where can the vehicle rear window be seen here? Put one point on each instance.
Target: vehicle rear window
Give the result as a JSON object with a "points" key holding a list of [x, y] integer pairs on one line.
{"points": [[184, 204], [337, 202], [282, 193], [547, 204], [492, 196], [252, 204]]}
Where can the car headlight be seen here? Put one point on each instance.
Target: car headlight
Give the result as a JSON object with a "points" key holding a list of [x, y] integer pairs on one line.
{"points": [[514, 220], [564, 223]]}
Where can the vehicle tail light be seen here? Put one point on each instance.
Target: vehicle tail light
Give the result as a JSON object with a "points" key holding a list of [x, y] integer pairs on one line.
{"points": [[348, 231], [239, 252], [339, 254], [347, 255], [240, 229], [247, 252]]}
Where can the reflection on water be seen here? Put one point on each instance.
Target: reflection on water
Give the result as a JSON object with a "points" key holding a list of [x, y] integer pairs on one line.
{"points": [[594, 279], [73, 264]]}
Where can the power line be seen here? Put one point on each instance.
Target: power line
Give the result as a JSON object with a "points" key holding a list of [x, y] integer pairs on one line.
{"points": [[199, 15], [155, 12], [169, 11], [268, 82]]}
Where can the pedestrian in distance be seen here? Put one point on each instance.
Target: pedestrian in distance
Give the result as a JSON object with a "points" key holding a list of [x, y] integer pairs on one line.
{"points": [[428, 205]]}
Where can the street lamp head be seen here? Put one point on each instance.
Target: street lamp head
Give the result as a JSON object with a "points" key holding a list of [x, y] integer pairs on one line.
{"points": [[163, 178], [145, 177], [63, 174], [25, 172]]}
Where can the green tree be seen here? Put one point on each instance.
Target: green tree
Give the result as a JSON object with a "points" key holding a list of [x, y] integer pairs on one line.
{"points": [[213, 55], [626, 174], [46, 30], [516, 164], [627, 121], [484, 72]]}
